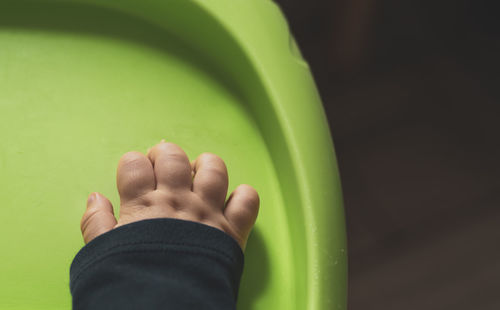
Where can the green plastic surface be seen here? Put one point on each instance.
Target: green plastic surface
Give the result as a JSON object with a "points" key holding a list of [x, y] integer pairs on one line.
{"points": [[84, 81]]}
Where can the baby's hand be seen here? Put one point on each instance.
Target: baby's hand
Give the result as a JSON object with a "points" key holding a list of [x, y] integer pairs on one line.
{"points": [[164, 184]]}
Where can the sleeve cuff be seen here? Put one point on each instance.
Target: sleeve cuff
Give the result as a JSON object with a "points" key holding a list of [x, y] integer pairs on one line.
{"points": [[164, 234]]}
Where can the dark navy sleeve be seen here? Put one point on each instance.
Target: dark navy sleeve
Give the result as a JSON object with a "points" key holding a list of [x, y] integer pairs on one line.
{"points": [[158, 264]]}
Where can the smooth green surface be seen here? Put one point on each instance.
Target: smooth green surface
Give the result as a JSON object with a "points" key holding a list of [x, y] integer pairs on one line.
{"points": [[82, 82]]}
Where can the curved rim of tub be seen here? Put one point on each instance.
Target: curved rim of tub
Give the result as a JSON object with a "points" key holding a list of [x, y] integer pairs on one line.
{"points": [[250, 44]]}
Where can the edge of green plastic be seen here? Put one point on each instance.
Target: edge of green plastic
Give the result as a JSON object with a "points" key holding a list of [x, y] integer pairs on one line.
{"points": [[262, 32]]}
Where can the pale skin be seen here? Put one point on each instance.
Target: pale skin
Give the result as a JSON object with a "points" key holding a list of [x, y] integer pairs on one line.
{"points": [[165, 184]]}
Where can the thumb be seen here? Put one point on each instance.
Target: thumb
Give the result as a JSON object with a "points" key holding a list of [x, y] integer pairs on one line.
{"points": [[98, 218]]}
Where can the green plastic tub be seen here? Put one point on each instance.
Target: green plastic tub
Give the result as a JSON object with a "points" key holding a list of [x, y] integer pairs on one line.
{"points": [[84, 81]]}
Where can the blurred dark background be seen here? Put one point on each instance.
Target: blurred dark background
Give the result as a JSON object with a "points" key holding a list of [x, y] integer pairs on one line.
{"points": [[411, 90]]}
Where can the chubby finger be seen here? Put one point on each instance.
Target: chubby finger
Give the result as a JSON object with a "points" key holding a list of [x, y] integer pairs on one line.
{"points": [[98, 217]]}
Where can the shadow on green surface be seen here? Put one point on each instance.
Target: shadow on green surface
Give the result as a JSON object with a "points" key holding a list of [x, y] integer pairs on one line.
{"points": [[256, 273], [82, 20]]}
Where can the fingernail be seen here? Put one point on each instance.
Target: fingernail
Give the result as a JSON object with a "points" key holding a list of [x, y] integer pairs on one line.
{"points": [[92, 198]]}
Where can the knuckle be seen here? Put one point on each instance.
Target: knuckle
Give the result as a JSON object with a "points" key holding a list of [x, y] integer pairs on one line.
{"points": [[175, 202]]}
